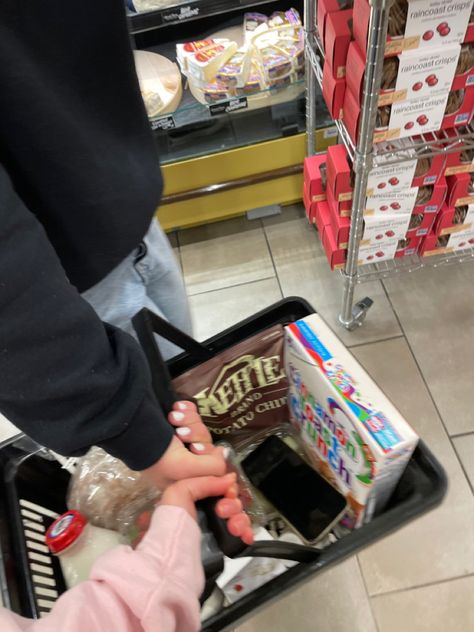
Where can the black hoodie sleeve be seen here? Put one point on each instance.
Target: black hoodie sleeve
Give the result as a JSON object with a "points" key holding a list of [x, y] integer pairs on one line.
{"points": [[67, 380]]}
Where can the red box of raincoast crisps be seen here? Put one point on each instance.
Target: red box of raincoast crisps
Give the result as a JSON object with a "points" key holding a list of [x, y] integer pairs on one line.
{"points": [[340, 227], [420, 224], [310, 207], [408, 246], [339, 172], [469, 37], [454, 219], [461, 161], [460, 189], [336, 256], [343, 208], [322, 218], [314, 170], [410, 118], [401, 176], [434, 244], [431, 198], [333, 92], [326, 7], [410, 75], [464, 75], [337, 37], [459, 108], [416, 24]]}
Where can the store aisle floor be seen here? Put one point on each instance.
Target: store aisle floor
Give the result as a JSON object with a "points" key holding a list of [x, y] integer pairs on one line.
{"points": [[416, 343]]}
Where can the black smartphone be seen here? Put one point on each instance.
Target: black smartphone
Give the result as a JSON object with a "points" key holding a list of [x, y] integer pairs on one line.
{"points": [[305, 500]]}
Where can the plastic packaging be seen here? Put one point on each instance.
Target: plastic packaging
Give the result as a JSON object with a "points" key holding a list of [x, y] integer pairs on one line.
{"points": [[108, 493], [247, 496], [78, 544]]}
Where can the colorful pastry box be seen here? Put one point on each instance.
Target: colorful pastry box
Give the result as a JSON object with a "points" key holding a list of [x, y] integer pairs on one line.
{"points": [[355, 436]]}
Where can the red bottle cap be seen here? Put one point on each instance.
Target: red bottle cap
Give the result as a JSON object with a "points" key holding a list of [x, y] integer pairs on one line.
{"points": [[64, 531]]}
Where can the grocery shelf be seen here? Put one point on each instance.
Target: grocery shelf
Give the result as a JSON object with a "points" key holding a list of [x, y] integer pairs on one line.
{"points": [[394, 267], [195, 129], [365, 155], [425, 146], [181, 12]]}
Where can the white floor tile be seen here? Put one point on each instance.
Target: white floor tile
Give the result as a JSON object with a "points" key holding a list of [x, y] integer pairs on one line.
{"points": [[303, 270], [335, 601], [445, 607], [435, 307], [465, 448], [221, 255], [213, 312], [439, 545]]}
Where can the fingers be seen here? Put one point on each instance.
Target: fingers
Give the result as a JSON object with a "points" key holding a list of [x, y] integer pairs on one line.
{"points": [[247, 536], [232, 492], [239, 526], [208, 486], [202, 448], [192, 465], [185, 407], [239, 523], [190, 427], [228, 507]]}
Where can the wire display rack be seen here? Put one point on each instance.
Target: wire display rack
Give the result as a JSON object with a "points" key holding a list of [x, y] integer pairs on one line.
{"points": [[365, 155]]}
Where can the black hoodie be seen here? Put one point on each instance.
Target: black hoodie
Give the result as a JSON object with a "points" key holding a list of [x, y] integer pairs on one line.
{"points": [[79, 184]]}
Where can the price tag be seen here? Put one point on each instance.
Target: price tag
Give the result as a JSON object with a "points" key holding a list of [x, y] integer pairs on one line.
{"points": [[180, 14], [227, 107], [165, 122]]}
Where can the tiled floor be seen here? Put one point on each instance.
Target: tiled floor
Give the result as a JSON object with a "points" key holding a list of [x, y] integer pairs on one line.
{"points": [[417, 343]]}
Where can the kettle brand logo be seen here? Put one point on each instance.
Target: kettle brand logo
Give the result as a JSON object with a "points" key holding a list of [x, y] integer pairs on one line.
{"points": [[242, 391]]}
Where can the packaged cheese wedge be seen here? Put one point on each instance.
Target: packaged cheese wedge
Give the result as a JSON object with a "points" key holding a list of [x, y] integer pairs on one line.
{"points": [[355, 436], [204, 63]]}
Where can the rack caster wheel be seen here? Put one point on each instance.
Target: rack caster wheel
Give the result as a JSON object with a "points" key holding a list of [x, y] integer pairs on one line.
{"points": [[359, 312]]}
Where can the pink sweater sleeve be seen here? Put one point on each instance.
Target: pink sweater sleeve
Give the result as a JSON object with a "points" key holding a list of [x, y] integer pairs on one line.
{"points": [[155, 588]]}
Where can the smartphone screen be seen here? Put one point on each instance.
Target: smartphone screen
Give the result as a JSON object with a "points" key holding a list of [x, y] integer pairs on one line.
{"points": [[303, 497]]}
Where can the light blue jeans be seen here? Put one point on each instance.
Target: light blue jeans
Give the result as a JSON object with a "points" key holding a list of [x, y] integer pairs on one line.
{"points": [[149, 277]]}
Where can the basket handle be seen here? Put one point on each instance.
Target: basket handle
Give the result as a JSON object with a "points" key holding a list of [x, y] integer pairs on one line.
{"points": [[144, 324]]}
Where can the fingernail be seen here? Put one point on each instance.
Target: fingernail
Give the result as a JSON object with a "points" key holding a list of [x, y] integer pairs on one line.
{"points": [[178, 416], [200, 447], [182, 406], [183, 431]]}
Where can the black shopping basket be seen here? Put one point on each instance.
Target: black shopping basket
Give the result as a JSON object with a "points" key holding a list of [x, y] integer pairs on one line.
{"points": [[33, 492]]}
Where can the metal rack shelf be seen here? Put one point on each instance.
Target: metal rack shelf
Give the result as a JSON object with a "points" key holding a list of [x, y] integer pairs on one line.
{"points": [[365, 155], [395, 267], [385, 153]]}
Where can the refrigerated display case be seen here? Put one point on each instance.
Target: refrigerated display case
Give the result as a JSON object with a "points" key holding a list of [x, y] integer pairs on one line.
{"points": [[236, 154]]}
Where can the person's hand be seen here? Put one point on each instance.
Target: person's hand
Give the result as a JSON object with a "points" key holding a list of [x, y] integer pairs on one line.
{"points": [[190, 428], [187, 492], [178, 462]]}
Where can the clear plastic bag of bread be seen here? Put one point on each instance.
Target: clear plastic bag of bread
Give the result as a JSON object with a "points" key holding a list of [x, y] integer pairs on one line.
{"points": [[108, 493]]}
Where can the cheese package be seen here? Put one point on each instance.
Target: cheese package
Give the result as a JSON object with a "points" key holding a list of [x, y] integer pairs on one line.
{"points": [[201, 60], [215, 91], [252, 21], [235, 72], [255, 81], [275, 63], [355, 436], [187, 50]]}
